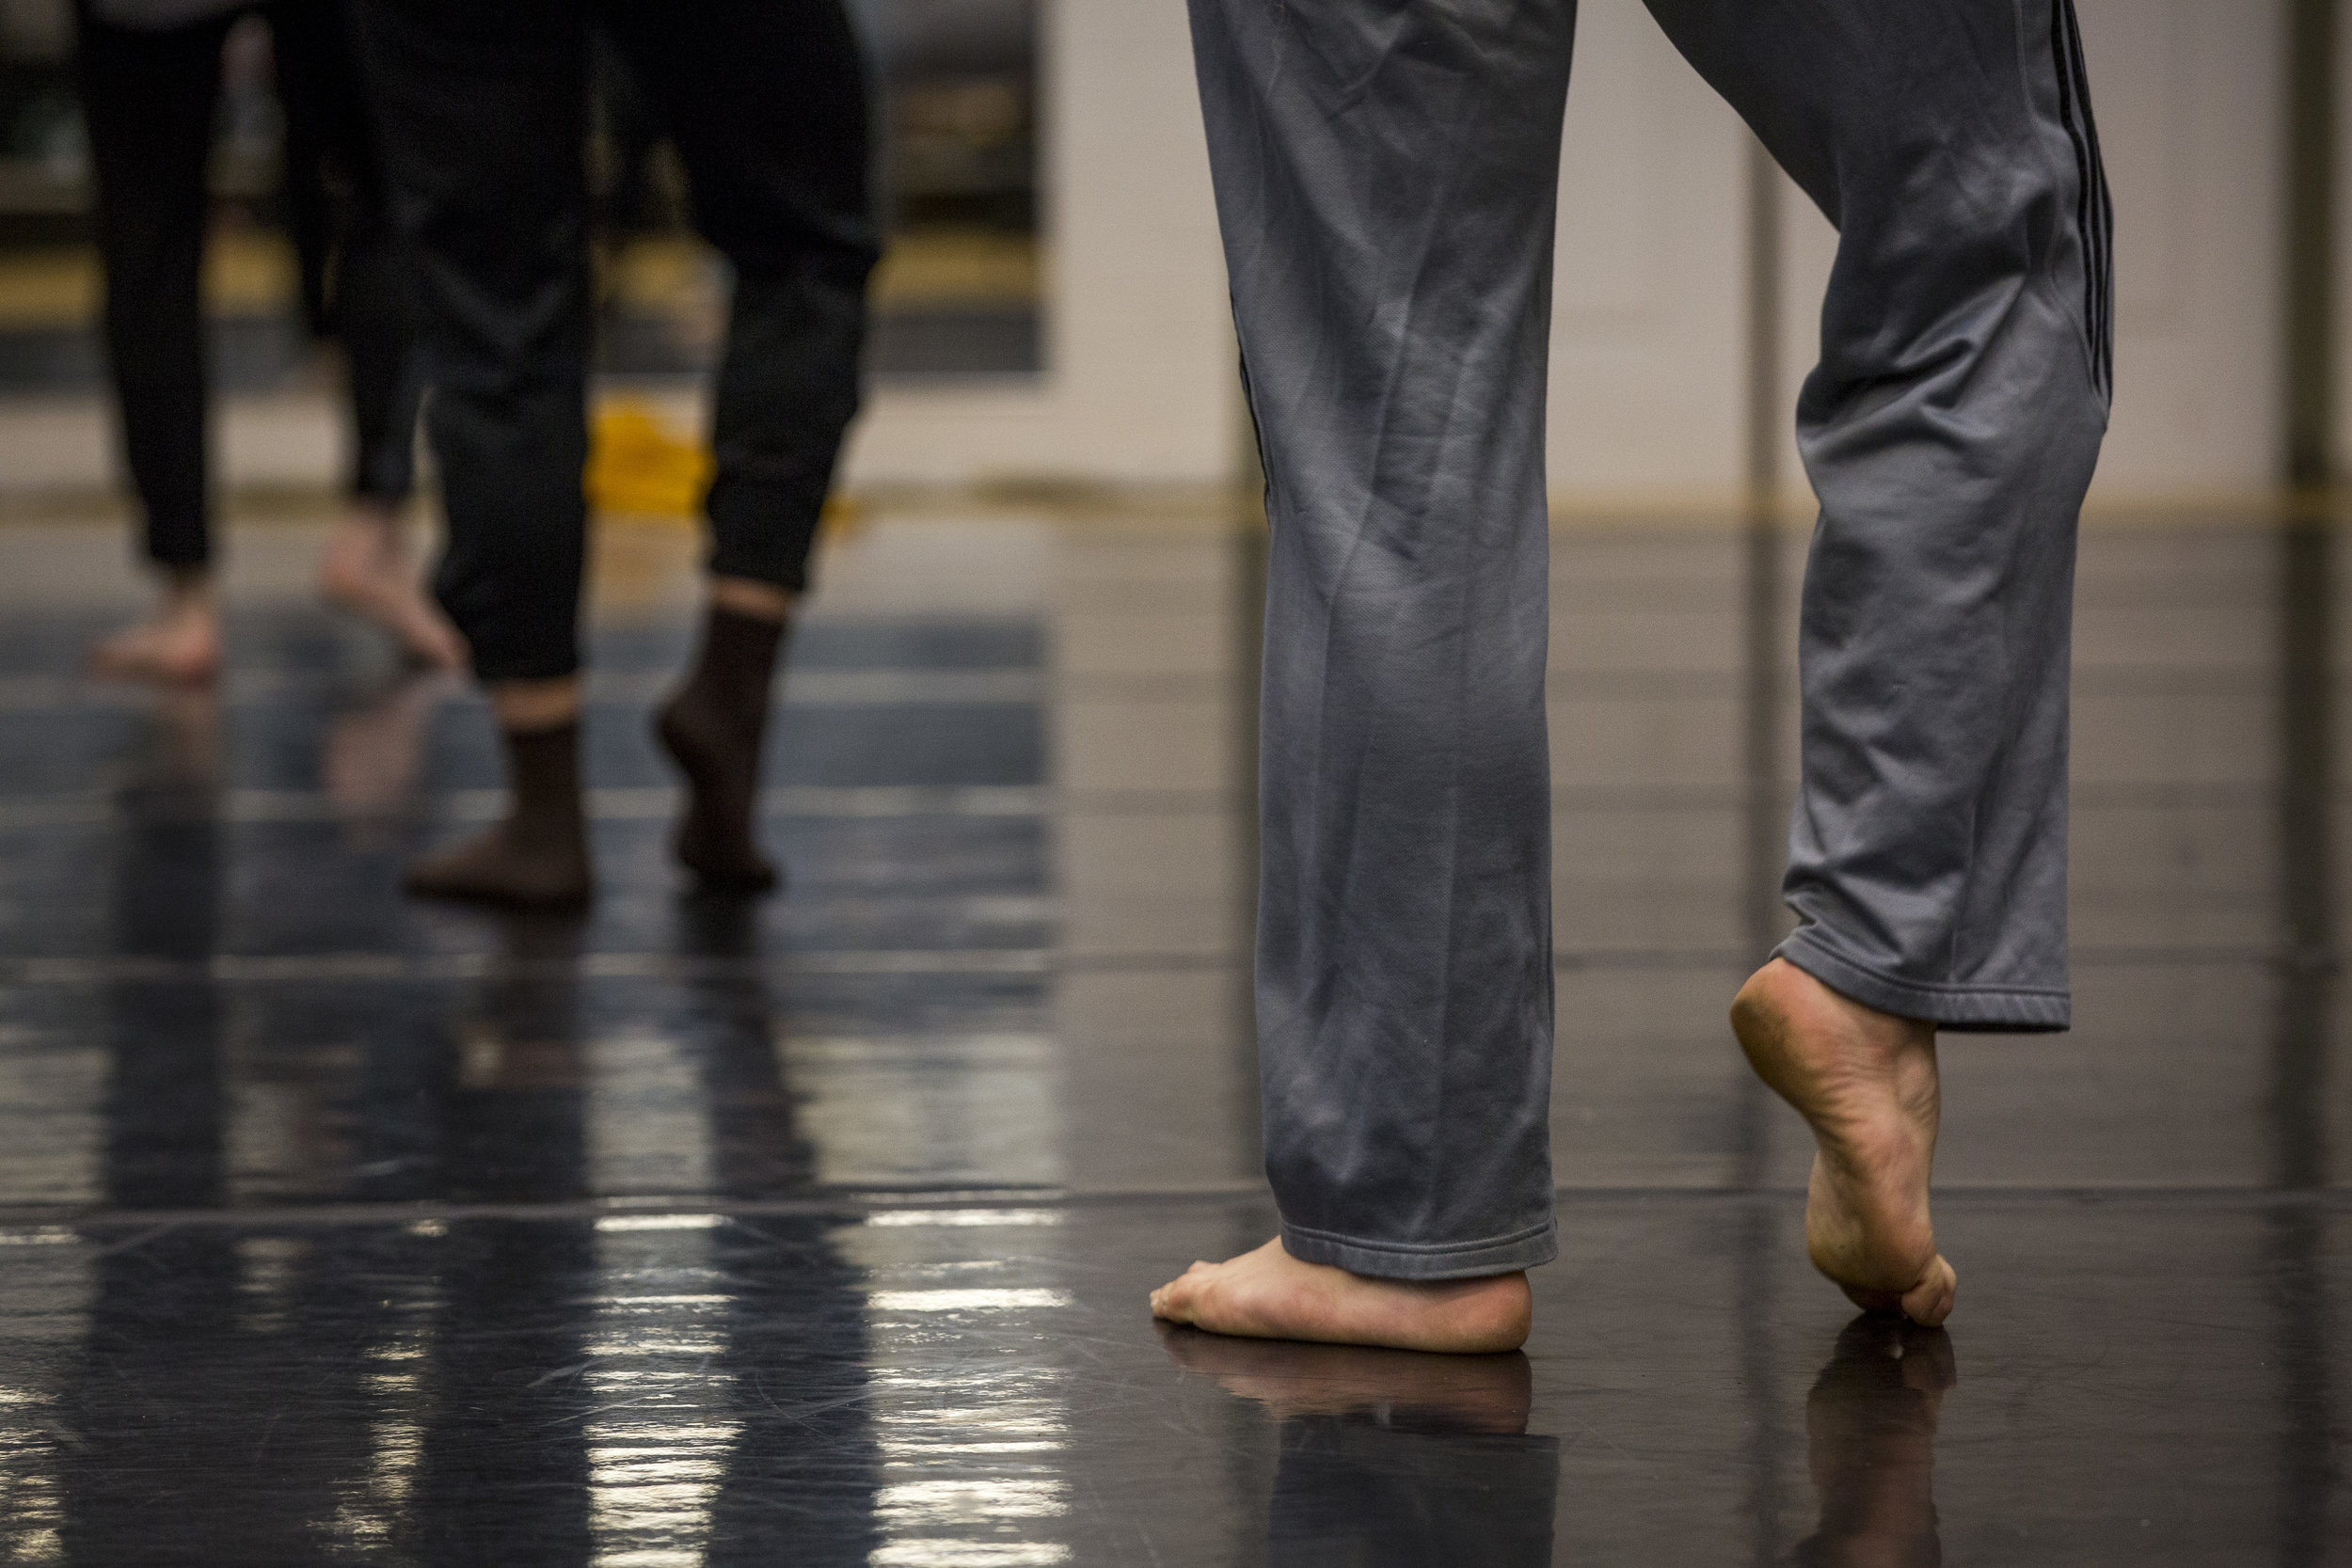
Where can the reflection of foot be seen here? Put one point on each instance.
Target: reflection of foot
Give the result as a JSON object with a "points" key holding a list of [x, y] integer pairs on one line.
{"points": [[366, 571], [1268, 1294], [1449, 1393], [1865, 1082], [371, 759], [189, 756], [181, 646], [1871, 1436]]}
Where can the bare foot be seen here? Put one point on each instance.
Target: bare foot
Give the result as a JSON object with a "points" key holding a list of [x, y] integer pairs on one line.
{"points": [[1865, 1082], [178, 646], [366, 569], [1268, 1294]]}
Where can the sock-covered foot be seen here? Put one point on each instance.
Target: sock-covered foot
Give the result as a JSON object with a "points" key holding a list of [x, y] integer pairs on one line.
{"points": [[366, 571], [712, 728], [1865, 1082], [180, 646], [537, 858], [1268, 1294]]}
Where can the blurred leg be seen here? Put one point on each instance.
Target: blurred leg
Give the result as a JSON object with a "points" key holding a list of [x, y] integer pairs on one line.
{"points": [[331, 147], [148, 101], [767, 101], [147, 98], [483, 112]]}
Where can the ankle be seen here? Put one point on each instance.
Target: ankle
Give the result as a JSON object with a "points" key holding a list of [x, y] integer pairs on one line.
{"points": [[536, 706], [751, 599], [734, 671], [189, 592]]}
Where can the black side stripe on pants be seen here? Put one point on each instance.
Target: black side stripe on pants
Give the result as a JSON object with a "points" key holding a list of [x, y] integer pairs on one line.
{"points": [[2094, 211]]}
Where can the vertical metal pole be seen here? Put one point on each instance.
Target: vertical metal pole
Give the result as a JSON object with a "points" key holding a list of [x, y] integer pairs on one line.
{"points": [[1766, 821], [2310, 313], [1759, 1231], [2301, 1041]]}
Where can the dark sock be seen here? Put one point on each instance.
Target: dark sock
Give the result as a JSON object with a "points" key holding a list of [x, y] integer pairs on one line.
{"points": [[538, 856], [713, 727]]}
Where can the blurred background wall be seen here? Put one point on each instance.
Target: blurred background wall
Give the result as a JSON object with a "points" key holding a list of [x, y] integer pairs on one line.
{"points": [[1053, 312]]}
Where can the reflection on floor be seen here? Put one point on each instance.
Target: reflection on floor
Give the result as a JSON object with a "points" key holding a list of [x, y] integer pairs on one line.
{"points": [[817, 1231]]}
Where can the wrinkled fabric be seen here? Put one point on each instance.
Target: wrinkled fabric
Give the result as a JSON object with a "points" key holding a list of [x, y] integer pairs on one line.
{"points": [[1386, 177]]}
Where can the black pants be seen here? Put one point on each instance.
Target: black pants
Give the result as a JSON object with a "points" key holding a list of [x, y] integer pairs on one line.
{"points": [[484, 111], [147, 98]]}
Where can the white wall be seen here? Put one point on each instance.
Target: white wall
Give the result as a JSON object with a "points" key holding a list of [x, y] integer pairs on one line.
{"points": [[1647, 397], [1140, 385], [2191, 103]]}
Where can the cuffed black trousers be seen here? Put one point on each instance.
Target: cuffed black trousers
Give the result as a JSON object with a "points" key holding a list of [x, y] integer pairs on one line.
{"points": [[1385, 180], [147, 98], [485, 111]]}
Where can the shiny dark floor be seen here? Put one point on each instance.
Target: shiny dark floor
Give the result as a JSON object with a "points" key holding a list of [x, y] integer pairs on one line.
{"points": [[336, 1228]]}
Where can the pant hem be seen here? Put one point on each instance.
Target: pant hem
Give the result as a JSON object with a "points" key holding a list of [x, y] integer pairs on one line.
{"points": [[1965, 1009], [1525, 1249]]}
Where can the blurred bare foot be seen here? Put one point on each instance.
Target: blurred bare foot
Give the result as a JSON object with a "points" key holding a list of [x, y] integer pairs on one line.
{"points": [[367, 571], [179, 645], [374, 750], [1865, 1082], [1268, 1294]]}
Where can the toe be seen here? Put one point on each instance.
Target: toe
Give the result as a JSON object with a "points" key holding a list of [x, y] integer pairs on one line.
{"points": [[1930, 1302]]}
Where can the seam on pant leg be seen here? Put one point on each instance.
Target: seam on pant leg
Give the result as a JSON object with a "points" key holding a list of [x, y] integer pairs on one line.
{"points": [[1524, 1249], [2023, 1009]]}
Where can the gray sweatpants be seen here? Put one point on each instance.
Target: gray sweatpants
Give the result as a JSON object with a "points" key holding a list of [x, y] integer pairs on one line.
{"points": [[1386, 176]]}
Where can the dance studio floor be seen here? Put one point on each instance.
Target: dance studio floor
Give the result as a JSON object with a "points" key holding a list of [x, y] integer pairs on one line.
{"points": [[336, 1228]]}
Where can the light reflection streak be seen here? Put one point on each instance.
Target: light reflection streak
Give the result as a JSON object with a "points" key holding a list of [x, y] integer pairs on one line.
{"points": [[963, 1218], [369, 1505], [655, 1458], [971, 1440], [46, 1235], [934, 1502], [969, 1553], [1032, 1300]]}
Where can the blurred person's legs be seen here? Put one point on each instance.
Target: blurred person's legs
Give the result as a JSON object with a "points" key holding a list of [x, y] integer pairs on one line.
{"points": [[484, 113], [1386, 178], [147, 98], [363, 303], [767, 104]]}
